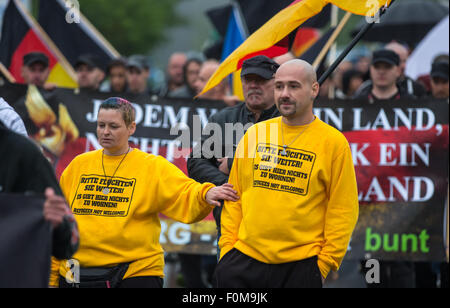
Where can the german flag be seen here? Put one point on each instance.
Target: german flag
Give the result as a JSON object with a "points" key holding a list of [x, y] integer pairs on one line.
{"points": [[21, 34], [282, 24], [242, 18], [304, 39]]}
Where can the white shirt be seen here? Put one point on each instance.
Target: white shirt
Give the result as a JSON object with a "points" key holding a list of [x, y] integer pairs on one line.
{"points": [[11, 119]]}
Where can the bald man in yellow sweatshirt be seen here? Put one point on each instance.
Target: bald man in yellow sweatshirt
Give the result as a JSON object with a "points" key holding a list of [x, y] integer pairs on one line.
{"points": [[299, 199]]}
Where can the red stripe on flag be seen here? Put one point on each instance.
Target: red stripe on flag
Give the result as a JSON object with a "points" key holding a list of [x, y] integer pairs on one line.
{"points": [[295, 2], [277, 50], [304, 39], [30, 42]]}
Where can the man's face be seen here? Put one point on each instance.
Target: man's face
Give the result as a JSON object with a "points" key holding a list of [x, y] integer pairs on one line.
{"points": [[363, 64], [295, 92], [258, 92], [137, 79], [218, 92], [89, 77], [384, 75], [36, 74], [118, 78], [192, 72], [175, 69], [203, 77], [439, 87]]}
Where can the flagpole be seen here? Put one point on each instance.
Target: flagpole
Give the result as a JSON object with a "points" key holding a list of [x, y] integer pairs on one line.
{"points": [[242, 19], [333, 49], [6, 73], [352, 44], [43, 35], [331, 40], [84, 21]]}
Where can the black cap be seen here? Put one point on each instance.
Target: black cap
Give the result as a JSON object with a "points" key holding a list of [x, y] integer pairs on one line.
{"points": [[117, 62], [386, 56], [35, 57], [90, 60], [138, 61], [261, 66], [439, 69]]}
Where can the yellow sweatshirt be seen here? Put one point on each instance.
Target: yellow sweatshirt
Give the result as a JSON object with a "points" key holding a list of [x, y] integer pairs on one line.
{"points": [[292, 205], [123, 226]]}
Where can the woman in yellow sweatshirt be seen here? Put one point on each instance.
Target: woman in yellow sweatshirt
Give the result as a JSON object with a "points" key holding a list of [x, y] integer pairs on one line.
{"points": [[116, 194], [298, 201]]}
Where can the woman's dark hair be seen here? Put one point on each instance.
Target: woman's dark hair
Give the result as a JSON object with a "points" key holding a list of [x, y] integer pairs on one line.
{"points": [[188, 62], [347, 78]]}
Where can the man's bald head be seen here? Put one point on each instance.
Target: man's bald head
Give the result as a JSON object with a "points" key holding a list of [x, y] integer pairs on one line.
{"points": [[301, 68], [397, 48], [401, 51], [296, 88], [209, 67], [206, 71], [175, 69]]}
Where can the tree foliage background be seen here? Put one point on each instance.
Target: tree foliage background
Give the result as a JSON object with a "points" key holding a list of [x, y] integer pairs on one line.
{"points": [[132, 26]]}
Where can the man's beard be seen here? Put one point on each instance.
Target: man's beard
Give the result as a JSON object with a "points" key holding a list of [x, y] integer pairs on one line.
{"points": [[286, 113]]}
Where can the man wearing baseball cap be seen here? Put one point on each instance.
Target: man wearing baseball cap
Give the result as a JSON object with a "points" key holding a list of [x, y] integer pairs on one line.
{"points": [[384, 73], [35, 68], [137, 74], [439, 80], [258, 87], [90, 71]]}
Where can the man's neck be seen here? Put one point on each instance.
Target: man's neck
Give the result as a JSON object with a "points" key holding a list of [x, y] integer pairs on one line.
{"points": [[297, 121], [384, 92]]}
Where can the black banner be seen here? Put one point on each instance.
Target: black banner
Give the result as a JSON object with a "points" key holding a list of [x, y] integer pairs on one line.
{"points": [[25, 242], [399, 148], [400, 153]]}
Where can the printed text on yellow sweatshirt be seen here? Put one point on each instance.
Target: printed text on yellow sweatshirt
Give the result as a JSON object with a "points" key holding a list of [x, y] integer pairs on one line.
{"points": [[123, 226], [293, 204]]}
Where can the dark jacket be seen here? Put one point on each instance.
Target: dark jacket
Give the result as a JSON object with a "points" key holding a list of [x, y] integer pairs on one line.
{"points": [[205, 168], [366, 94], [25, 170], [407, 88]]}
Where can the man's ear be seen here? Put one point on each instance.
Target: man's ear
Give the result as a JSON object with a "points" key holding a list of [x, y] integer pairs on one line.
{"points": [[315, 88]]}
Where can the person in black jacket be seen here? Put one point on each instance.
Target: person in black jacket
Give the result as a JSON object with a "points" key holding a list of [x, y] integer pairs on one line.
{"points": [[258, 87], [384, 73], [204, 166], [25, 170]]}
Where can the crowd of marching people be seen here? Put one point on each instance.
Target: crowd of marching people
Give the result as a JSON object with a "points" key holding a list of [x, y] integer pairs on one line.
{"points": [[134, 259], [187, 74]]}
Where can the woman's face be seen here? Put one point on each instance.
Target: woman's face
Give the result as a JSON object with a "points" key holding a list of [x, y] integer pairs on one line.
{"points": [[112, 132]]}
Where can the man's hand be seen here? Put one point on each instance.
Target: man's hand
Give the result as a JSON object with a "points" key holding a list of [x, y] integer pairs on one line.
{"points": [[224, 192], [54, 207], [224, 165]]}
